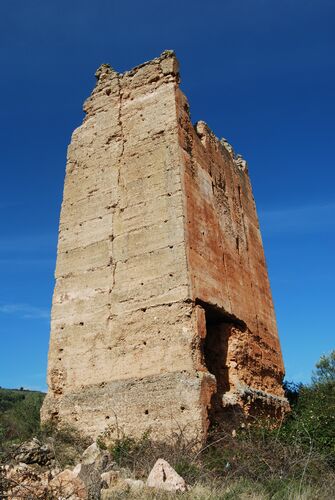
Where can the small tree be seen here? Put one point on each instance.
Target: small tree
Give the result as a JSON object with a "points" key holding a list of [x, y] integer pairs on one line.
{"points": [[312, 420], [325, 369]]}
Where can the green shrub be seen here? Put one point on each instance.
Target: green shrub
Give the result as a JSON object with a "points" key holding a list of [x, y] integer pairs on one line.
{"points": [[68, 443], [295, 460], [188, 469], [19, 414], [325, 369], [312, 421], [124, 450]]}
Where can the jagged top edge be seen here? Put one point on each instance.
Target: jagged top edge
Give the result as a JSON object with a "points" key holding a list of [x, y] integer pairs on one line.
{"points": [[237, 159], [108, 67]]}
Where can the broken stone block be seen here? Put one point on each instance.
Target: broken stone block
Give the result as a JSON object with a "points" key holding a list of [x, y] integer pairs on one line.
{"points": [[67, 485], [91, 454], [34, 452], [164, 477]]}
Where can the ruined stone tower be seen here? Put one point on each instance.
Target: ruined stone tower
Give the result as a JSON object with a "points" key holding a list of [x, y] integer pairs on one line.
{"points": [[162, 312]]}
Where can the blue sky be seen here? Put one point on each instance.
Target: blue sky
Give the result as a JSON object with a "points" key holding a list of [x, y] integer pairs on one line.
{"points": [[260, 72]]}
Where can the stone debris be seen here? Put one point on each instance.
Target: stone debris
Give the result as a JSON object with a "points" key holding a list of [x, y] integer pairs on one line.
{"points": [[84, 482], [22, 481], [34, 452], [68, 485], [91, 454], [164, 477], [94, 463], [77, 470]]}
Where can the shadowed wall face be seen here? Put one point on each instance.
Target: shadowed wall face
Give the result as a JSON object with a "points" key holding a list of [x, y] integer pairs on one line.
{"points": [[157, 230]]}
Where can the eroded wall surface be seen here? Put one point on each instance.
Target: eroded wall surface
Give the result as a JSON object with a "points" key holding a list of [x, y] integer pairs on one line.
{"points": [[227, 267], [122, 328], [157, 223]]}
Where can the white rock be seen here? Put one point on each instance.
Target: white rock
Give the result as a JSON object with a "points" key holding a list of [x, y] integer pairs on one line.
{"points": [[76, 471], [164, 477], [134, 484], [91, 454]]}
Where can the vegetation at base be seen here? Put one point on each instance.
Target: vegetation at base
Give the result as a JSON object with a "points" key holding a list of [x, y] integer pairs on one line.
{"points": [[312, 420], [19, 414], [68, 444], [253, 459], [250, 460]]}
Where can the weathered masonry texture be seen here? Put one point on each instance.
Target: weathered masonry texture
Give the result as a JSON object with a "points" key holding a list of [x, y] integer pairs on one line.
{"points": [[162, 313]]}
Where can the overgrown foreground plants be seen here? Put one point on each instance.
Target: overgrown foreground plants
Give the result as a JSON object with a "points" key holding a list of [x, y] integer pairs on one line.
{"points": [[249, 461]]}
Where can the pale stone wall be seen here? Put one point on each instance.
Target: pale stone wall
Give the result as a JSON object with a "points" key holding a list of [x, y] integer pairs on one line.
{"points": [[140, 228], [122, 333]]}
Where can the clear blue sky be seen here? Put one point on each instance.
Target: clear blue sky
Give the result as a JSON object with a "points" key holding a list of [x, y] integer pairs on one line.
{"points": [[260, 72]]}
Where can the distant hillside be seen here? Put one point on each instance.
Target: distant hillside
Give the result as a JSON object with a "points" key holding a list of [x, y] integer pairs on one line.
{"points": [[19, 413]]}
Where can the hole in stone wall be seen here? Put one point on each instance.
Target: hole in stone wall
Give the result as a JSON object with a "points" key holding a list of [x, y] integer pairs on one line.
{"points": [[219, 326], [146, 412], [215, 350]]}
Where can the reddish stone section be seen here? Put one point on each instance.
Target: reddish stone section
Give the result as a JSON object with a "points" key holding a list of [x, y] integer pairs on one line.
{"points": [[228, 273], [162, 315]]}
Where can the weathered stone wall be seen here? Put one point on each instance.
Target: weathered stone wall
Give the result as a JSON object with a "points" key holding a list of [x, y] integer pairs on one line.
{"points": [[157, 224], [226, 260]]}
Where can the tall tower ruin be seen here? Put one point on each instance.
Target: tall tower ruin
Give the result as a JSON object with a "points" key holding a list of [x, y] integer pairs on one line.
{"points": [[162, 313]]}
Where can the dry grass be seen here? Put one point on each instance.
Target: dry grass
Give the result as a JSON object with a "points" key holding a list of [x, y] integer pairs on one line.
{"points": [[229, 490], [254, 464]]}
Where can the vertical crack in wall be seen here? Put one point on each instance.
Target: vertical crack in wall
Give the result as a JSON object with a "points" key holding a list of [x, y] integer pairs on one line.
{"points": [[116, 208], [226, 273], [120, 121], [182, 180]]}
